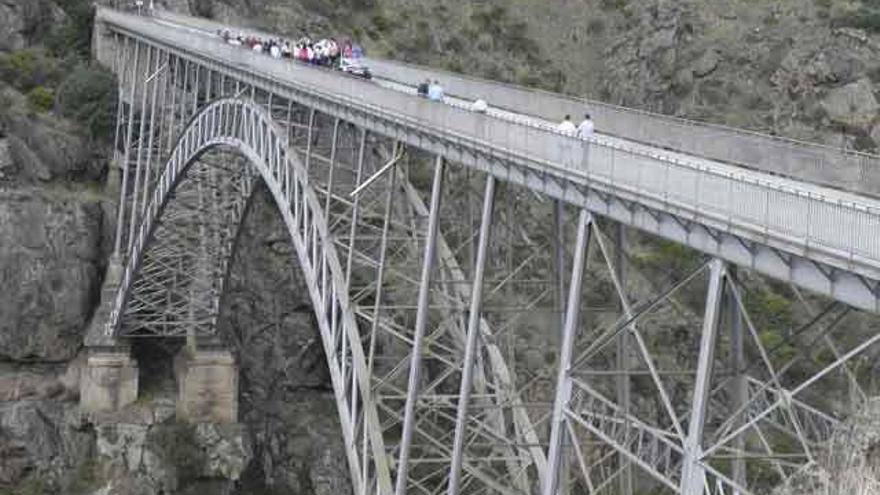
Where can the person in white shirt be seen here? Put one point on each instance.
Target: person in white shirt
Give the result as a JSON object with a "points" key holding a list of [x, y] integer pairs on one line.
{"points": [[275, 51], [479, 106], [567, 126], [585, 129], [435, 91]]}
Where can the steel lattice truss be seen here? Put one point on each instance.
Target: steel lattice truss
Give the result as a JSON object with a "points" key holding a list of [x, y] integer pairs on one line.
{"points": [[481, 337]]}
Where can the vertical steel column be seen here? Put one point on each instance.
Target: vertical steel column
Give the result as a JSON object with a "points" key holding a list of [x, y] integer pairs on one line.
{"points": [[739, 387], [120, 66], [355, 209], [308, 163], [196, 90], [563, 379], [470, 350], [148, 166], [419, 331], [137, 170], [120, 209], [333, 145], [559, 248], [380, 280], [625, 484], [163, 106], [171, 124], [692, 473]]}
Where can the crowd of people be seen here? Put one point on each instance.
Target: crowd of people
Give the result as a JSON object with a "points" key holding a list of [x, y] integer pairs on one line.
{"points": [[327, 52]]}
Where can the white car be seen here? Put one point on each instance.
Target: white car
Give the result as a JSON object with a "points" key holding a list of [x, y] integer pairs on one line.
{"points": [[354, 67]]}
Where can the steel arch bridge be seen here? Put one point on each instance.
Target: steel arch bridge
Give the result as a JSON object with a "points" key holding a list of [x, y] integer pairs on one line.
{"points": [[486, 327]]}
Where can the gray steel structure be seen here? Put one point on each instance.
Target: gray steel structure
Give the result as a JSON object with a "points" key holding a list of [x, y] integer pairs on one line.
{"points": [[424, 315]]}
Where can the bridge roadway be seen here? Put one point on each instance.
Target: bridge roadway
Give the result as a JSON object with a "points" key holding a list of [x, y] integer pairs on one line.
{"points": [[794, 228]]}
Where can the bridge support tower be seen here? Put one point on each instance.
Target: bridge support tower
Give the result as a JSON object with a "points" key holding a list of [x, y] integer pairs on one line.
{"points": [[207, 384]]}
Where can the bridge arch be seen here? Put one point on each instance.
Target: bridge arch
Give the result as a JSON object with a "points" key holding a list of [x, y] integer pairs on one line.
{"points": [[247, 128]]}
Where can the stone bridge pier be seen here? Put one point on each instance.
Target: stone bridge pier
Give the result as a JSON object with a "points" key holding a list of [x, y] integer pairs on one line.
{"points": [[206, 379], [207, 384], [205, 371]]}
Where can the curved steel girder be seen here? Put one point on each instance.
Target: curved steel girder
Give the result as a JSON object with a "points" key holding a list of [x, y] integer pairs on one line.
{"points": [[233, 123]]}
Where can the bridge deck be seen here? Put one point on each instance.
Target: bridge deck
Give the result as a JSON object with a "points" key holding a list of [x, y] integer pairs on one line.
{"points": [[822, 238]]}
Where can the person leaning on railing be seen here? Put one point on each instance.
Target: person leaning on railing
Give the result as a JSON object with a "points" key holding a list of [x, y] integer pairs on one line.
{"points": [[585, 128]]}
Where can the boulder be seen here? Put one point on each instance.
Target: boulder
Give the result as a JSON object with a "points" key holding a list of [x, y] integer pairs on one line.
{"points": [[853, 105], [706, 64]]}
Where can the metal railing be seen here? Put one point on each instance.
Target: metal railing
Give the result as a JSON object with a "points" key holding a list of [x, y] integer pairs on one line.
{"points": [[845, 169]]}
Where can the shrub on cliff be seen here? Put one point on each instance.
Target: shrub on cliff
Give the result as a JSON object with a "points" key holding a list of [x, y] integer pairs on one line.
{"points": [[73, 37], [28, 68], [41, 98], [88, 96]]}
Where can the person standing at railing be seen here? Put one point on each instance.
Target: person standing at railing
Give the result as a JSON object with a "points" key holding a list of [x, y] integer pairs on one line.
{"points": [[566, 145], [586, 127], [435, 91], [567, 126]]}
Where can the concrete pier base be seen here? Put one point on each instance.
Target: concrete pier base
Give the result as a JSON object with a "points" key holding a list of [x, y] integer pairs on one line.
{"points": [[109, 381], [207, 386]]}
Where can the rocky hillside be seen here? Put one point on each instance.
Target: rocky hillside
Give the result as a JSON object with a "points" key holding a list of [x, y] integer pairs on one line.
{"points": [[799, 68]]}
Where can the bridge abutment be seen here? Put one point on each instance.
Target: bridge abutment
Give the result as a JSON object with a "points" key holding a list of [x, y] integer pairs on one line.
{"points": [[109, 381], [207, 385]]}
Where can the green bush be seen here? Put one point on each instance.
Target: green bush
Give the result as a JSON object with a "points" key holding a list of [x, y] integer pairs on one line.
{"points": [[88, 96], [28, 68], [74, 36], [41, 98], [865, 17]]}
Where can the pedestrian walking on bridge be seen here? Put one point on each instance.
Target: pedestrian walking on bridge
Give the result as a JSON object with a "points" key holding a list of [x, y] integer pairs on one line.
{"points": [[585, 128]]}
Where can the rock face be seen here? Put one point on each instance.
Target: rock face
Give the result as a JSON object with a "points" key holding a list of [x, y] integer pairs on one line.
{"points": [[23, 20], [286, 396], [147, 459], [42, 439], [51, 255]]}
